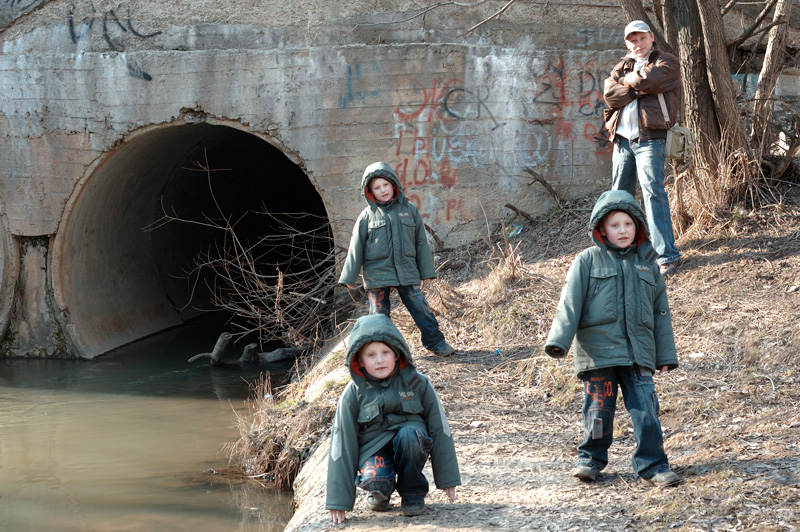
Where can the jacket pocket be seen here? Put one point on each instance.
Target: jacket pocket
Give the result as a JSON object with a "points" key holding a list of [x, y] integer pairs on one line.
{"points": [[369, 413], [648, 287], [600, 306], [411, 405], [377, 246], [409, 228]]}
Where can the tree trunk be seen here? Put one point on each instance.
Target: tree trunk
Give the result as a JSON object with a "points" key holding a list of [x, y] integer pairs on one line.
{"points": [[770, 70], [698, 103], [635, 11], [667, 20], [719, 77]]}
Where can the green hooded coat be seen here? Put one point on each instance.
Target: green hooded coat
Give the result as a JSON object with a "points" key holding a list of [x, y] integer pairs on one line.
{"points": [[371, 411], [614, 302], [389, 246]]}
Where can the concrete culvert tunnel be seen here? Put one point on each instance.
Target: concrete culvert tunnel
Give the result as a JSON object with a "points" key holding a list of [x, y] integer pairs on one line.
{"points": [[116, 282]]}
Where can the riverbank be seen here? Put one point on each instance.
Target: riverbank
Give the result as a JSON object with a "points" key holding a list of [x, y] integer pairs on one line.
{"points": [[729, 413]]}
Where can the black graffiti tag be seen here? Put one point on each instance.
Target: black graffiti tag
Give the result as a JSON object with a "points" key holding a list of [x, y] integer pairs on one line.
{"points": [[114, 31], [458, 102]]}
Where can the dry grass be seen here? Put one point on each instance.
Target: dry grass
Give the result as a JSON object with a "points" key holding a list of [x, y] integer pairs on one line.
{"points": [[281, 429]]}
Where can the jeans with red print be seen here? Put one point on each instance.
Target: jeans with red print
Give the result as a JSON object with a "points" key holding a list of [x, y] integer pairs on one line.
{"points": [[599, 404], [398, 464]]}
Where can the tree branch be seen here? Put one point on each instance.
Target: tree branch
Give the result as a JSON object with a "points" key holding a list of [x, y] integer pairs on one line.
{"points": [[752, 28], [728, 7], [492, 17]]}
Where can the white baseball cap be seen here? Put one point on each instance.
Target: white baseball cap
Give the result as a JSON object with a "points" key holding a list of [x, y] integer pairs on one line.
{"points": [[637, 25]]}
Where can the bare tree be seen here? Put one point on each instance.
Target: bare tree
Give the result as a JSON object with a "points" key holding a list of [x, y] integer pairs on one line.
{"points": [[773, 61]]}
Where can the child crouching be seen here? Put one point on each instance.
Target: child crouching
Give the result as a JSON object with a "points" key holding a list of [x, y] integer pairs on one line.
{"points": [[389, 419]]}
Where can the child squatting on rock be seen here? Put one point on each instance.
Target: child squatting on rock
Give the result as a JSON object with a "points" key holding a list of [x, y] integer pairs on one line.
{"points": [[389, 247], [389, 419], [614, 303]]}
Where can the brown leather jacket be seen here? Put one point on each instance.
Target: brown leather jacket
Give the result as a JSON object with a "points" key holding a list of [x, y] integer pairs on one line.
{"points": [[661, 74]]}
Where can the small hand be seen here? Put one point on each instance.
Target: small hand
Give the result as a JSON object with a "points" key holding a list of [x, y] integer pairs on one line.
{"points": [[337, 516], [630, 78], [663, 369], [555, 352], [450, 492]]}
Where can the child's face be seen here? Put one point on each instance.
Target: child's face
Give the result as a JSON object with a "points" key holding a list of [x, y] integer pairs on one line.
{"points": [[377, 359], [382, 189], [619, 228]]}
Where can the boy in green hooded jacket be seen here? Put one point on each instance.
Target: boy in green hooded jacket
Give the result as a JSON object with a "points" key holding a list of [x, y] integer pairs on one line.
{"points": [[614, 304], [388, 421], [389, 247]]}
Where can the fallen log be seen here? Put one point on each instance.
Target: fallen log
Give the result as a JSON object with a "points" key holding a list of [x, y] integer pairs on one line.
{"points": [[219, 347], [248, 354], [280, 354]]}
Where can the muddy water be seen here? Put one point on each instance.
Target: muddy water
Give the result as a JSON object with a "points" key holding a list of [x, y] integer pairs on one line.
{"points": [[130, 442]]}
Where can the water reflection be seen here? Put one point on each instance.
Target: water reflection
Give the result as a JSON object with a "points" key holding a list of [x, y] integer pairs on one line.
{"points": [[129, 442]]}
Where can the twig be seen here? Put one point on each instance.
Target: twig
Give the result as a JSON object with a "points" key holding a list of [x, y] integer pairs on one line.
{"points": [[728, 7], [541, 180], [491, 17], [422, 12], [520, 212], [439, 241]]}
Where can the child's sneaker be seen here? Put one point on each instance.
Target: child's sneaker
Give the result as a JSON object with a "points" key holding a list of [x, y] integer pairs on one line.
{"points": [[585, 472], [664, 479], [377, 501], [412, 507]]}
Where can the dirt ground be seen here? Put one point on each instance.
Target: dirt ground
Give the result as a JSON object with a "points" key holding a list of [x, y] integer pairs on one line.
{"points": [[729, 413]]}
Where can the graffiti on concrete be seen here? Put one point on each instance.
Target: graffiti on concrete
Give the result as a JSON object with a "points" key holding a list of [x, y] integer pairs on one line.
{"points": [[11, 10], [442, 126], [567, 93], [355, 85], [593, 37], [115, 30]]}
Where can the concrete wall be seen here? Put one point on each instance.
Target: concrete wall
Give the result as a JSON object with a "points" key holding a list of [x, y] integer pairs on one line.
{"points": [[104, 104]]}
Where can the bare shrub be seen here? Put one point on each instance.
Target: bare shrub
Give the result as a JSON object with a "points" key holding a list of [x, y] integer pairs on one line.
{"points": [[278, 434], [280, 286]]}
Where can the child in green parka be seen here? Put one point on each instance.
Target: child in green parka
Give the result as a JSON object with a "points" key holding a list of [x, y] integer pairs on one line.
{"points": [[614, 304], [389, 247], [388, 421]]}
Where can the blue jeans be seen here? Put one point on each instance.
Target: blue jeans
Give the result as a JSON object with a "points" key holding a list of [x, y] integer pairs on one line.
{"points": [[398, 464], [414, 300], [645, 160], [599, 404]]}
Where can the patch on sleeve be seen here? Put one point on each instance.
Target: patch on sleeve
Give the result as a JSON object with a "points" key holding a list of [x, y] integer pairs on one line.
{"points": [[445, 424], [336, 442]]}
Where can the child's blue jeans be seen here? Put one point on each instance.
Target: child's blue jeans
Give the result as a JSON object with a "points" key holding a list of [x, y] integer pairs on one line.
{"points": [[414, 300], [398, 464], [599, 404]]}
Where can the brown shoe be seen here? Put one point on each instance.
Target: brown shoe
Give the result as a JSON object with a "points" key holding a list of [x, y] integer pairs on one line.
{"points": [[668, 268], [664, 479]]}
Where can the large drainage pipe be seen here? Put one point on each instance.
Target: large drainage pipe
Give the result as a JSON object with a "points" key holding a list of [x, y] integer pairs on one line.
{"points": [[115, 282]]}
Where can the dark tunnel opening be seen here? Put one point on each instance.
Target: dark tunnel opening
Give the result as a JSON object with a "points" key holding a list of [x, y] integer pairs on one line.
{"points": [[123, 271]]}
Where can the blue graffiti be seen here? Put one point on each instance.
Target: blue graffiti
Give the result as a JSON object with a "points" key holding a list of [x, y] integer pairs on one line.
{"points": [[355, 84]]}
